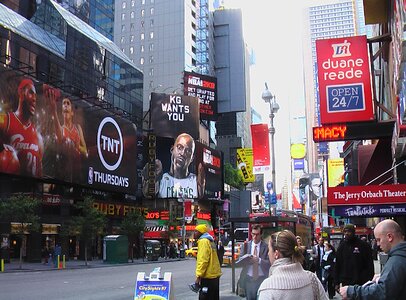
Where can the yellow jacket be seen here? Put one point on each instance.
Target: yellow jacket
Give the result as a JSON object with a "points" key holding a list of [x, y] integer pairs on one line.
{"points": [[207, 264]]}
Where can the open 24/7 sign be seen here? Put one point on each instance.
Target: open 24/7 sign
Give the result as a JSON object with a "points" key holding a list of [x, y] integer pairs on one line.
{"points": [[344, 80]]}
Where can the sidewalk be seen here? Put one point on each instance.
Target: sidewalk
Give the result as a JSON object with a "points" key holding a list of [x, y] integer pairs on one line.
{"points": [[14, 265]]}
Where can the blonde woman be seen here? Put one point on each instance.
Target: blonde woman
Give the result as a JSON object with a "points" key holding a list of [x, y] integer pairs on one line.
{"points": [[287, 279]]}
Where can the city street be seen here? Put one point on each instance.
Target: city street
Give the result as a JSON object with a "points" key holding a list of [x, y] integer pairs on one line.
{"points": [[111, 282]]}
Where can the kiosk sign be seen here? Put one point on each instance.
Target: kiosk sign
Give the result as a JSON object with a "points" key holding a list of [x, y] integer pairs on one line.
{"points": [[344, 80]]}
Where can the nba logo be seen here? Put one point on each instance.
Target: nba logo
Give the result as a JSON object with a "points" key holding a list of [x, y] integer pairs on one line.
{"points": [[90, 176]]}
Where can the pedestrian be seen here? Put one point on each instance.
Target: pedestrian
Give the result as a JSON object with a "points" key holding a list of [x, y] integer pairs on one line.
{"points": [[220, 252], [318, 253], [327, 264], [208, 269], [354, 263], [287, 280], [390, 284], [306, 255], [256, 267]]}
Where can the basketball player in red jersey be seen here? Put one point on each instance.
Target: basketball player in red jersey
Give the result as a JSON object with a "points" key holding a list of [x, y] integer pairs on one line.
{"points": [[69, 135], [18, 130]]}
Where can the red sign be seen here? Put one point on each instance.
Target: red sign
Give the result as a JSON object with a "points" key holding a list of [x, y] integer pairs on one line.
{"points": [[329, 133], [260, 147], [344, 80], [365, 195]]}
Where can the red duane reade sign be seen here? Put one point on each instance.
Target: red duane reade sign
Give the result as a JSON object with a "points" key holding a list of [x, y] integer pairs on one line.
{"points": [[344, 80], [369, 194]]}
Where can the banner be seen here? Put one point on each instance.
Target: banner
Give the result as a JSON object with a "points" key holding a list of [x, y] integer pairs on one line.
{"points": [[244, 164], [174, 114], [260, 147], [344, 80], [46, 133], [205, 88], [366, 195], [335, 172], [366, 211]]}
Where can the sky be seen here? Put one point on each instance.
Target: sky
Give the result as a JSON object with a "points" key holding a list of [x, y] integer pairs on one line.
{"points": [[273, 29]]}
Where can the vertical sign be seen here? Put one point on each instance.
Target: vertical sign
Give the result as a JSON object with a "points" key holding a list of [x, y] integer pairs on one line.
{"points": [[244, 164], [260, 146], [344, 80]]}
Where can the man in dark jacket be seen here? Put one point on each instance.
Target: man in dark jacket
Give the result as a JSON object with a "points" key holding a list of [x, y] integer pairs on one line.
{"points": [[354, 263], [390, 284]]}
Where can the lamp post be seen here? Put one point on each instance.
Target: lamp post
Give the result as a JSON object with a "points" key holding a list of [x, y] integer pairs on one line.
{"points": [[273, 109]]}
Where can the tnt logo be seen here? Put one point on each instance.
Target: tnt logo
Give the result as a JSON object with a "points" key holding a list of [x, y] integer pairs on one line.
{"points": [[341, 49], [110, 144]]}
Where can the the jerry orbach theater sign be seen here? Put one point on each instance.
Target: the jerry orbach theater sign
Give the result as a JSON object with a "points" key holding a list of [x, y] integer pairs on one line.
{"points": [[367, 195]]}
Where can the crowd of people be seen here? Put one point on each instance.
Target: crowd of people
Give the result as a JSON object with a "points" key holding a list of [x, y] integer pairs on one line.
{"points": [[283, 268]]}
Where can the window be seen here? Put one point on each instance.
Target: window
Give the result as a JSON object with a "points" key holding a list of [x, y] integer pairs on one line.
{"points": [[152, 1], [142, 2], [142, 48], [142, 36], [131, 38], [151, 47], [151, 35], [151, 22], [123, 16], [131, 50], [151, 11], [142, 12], [122, 40], [132, 15], [151, 72], [141, 60], [132, 27], [151, 59], [122, 28], [123, 5], [132, 3]]}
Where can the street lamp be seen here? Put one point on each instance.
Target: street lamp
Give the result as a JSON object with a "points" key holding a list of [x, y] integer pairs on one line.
{"points": [[273, 109]]}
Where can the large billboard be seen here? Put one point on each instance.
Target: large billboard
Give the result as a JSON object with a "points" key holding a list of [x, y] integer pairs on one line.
{"points": [[182, 168], [209, 166], [205, 88], [47, 134], [260, 147], [344, 80], [171, 114]]}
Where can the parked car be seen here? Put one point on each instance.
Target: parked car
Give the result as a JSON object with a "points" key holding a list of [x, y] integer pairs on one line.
{"points": [[192, 252]]}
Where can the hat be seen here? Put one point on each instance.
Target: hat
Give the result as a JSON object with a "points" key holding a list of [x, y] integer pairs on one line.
{"points": [[349, 227], [202, 228]]}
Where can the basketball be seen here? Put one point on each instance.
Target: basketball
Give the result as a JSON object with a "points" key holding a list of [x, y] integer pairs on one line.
{"points": [[9, 162]]}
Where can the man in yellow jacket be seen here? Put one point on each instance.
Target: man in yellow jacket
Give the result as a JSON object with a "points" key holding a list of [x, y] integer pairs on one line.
{"points": [[208, 269]]}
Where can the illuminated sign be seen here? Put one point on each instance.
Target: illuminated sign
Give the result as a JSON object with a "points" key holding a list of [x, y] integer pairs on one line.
{"points": [[117, 209], [157, 215], [344, 80], [204, 216], [204, 88], [352, 131]]}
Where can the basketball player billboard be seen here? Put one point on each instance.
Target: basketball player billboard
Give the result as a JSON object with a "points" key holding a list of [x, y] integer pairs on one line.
{"points": [[171, 114], [44, 134]]}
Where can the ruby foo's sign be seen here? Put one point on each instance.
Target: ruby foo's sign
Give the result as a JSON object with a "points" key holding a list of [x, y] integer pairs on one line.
{"points": [[344, 80], [365, 195]]}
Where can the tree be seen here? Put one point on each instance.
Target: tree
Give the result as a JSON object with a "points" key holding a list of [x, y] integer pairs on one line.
{"points": [[233, 177], [132, 225], [88, 223], [21, 209]]}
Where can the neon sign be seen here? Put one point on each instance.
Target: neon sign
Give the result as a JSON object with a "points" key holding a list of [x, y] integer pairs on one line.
{"points": [[329, 133]]}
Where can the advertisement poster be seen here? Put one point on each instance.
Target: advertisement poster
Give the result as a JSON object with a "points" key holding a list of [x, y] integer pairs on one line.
{"points": [[172, 114], [209, 165], [152, 287], [260, 146], [344, 80], [48, 134], [205, 88], [244, 164], [335, 172]]}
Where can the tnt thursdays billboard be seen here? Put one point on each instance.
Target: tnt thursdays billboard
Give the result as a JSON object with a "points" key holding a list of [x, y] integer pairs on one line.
{"points": [[48, 134], [344, 80]]}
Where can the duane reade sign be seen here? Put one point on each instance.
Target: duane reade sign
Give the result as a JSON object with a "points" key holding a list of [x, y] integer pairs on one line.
{"points": [[344, 80]]}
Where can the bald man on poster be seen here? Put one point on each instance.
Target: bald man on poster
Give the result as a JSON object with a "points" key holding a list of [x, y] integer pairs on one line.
{"points": [[390, 284]]}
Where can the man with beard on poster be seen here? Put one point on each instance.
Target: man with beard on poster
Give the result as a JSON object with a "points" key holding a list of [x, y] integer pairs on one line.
{"points": [[21, 145], [179, 181]]}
